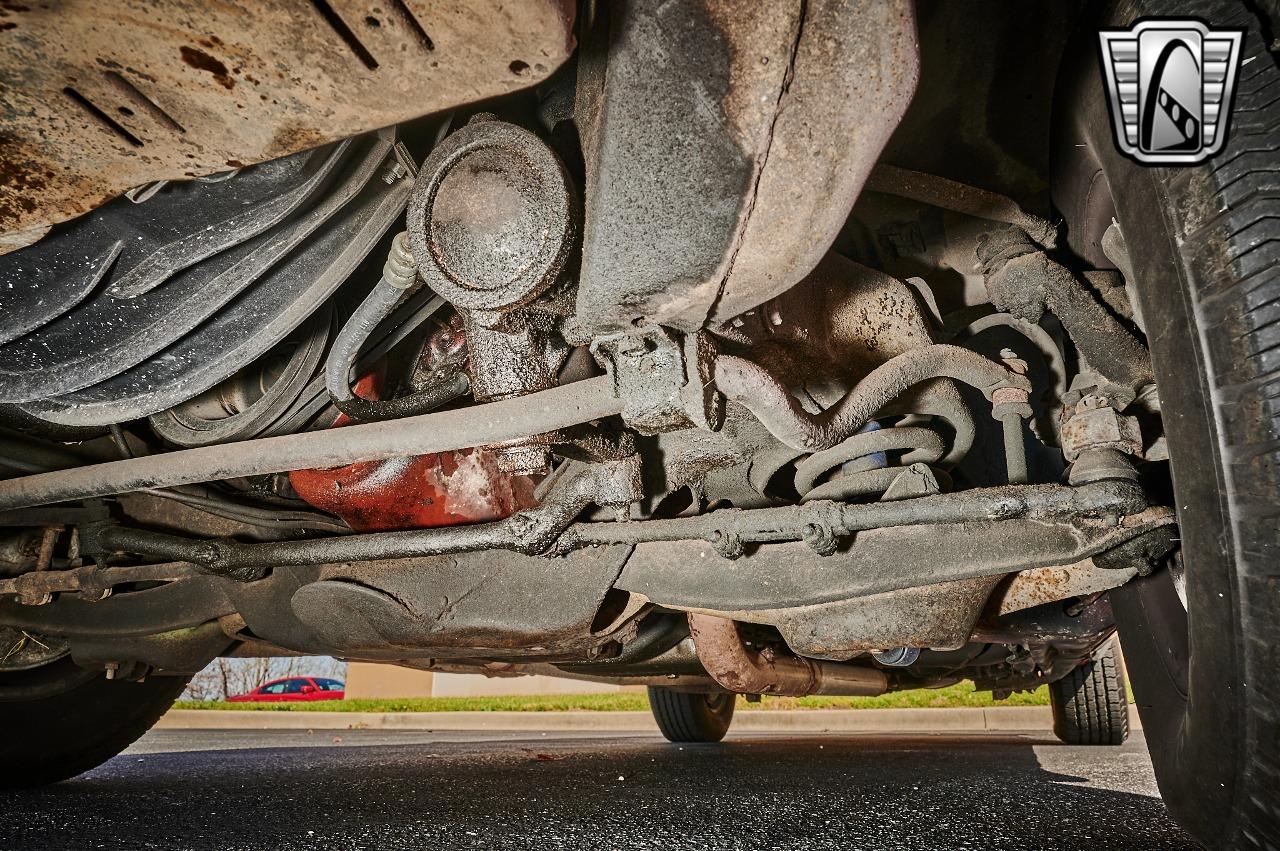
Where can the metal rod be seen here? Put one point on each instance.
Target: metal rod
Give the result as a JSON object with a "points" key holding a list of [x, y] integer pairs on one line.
{"points": [[547, 527], [495, 422], [788, 523], [958, 197], [1015, 448]]}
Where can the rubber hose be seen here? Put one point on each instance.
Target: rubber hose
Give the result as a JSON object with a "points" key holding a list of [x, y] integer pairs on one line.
{"points": [[397, 278], [768, 399]]}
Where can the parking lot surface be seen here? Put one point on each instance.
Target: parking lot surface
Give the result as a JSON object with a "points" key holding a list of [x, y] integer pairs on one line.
{"points": [[185, 789]]}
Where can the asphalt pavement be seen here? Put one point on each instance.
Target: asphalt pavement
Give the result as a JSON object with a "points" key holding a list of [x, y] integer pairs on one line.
{"points": [[243, 789]]}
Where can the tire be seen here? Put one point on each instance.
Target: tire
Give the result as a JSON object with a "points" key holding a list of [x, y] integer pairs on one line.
{"points": [[61, 720], [1204, 244], [693, 718], [1090, 706]]}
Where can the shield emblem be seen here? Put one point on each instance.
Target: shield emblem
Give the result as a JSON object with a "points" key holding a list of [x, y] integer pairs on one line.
{"points": [[1170, 83]]}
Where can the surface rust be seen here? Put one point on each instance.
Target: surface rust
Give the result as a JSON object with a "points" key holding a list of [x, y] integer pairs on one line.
{"points": [[426, 491], [97, 98], [852, 72], [1043, 585]]}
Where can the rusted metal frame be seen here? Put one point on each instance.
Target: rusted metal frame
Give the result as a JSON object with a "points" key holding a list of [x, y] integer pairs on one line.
{"points": [[1042, 585], [930, 615], [958, 198], [743, 670], [700, 583], [174, 605], [1022, 280], [754, 91], [185, 650], [246, 562], [730, 529], [854, 71], [662, 646]]}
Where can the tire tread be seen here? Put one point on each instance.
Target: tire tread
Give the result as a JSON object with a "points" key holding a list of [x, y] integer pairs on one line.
{"points": [[1090, 705], [686, 717], [1238, 310]]}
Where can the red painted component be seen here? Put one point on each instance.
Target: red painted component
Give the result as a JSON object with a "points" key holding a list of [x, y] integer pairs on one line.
{"points": [[412, 493], [448, 489]]}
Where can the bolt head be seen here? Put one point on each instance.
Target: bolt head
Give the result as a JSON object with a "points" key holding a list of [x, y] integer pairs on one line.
{"points": [[523, 460]]}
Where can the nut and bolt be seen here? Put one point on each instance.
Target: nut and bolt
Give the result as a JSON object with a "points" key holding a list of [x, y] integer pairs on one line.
{"points": [[727, 544], [1008, 401], [1094, 424], [820, 539], [528, 460], [1012, 362]]}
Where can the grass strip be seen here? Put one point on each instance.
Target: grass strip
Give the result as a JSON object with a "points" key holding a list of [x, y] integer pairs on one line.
{"points": [[962, 694]]}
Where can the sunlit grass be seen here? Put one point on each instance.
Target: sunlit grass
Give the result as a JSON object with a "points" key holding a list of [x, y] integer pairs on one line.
{"points": [[957, 695]]}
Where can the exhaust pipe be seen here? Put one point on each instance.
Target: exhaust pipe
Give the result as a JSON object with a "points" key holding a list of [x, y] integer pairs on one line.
{"points": [[742, 670]]}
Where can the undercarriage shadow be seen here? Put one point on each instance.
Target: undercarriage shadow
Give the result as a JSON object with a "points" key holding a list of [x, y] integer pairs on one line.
{"points": [[927, 792]]}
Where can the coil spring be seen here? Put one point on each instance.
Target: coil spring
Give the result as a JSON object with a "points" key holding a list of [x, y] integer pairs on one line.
{"points": [[860, 473]]}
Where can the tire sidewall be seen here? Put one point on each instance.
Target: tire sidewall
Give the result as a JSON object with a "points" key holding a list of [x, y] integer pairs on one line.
{"points": [[1196, 738]]}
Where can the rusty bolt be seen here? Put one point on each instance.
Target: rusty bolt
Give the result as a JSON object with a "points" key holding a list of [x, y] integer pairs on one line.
{"points": [[1094, 425], [819, 539], [1008, 401], [1010, 396], [1012, 362], [727, 544], [527, 460]]}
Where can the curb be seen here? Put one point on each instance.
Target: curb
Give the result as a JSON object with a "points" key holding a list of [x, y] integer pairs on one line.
{"points": [[959, 720]]}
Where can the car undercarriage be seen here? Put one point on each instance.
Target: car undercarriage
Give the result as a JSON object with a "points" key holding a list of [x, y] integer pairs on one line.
{"points": [[718, 347]]}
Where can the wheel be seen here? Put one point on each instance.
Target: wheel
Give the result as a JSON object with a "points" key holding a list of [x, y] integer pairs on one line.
{"points": [[689, 717], [1204, 249], [1090, 705], [60, 720]]}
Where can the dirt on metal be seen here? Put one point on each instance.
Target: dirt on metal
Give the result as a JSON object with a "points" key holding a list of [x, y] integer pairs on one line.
{"points": [[97, 98]]}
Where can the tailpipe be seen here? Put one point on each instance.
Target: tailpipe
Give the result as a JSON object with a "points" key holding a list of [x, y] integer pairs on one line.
{"points": [[738, 668]]}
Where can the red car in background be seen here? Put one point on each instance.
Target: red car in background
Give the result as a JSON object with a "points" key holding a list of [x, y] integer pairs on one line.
{"points": [[293, 688]]}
